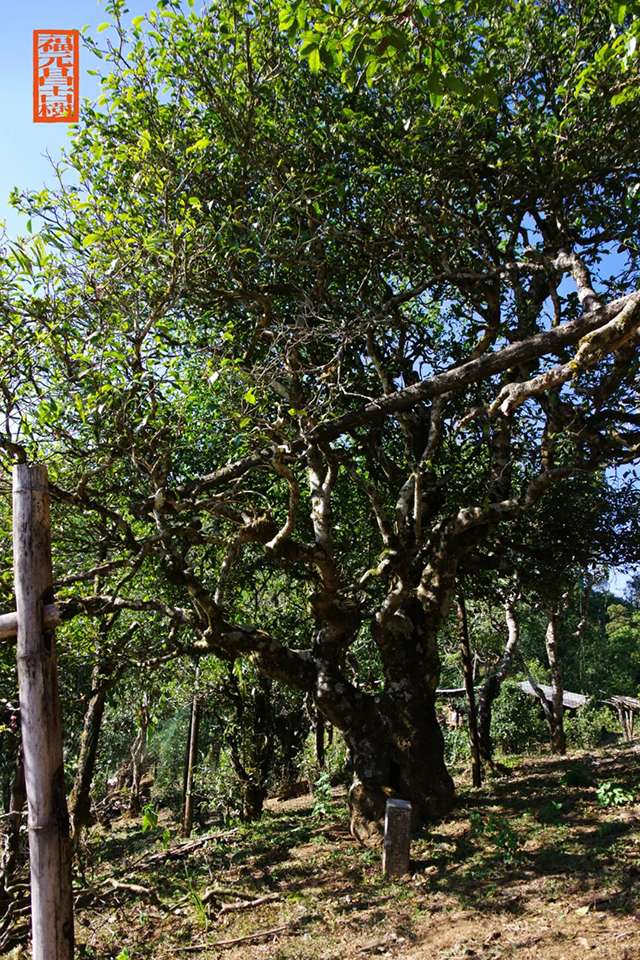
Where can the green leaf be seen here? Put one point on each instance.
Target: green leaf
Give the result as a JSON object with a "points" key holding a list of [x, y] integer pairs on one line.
{"points": [[90, 239], [138, 20], [103, 26], [286, 19], [314, 60], [618, 13], [456, 85], [250, 396], [582, 911]]}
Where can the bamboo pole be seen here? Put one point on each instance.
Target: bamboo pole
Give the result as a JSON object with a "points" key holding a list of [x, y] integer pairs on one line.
{"points": [[49, 844], [9, 621]]}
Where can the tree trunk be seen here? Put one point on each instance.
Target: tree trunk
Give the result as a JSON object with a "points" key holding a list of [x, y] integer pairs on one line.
{"points": [[394, 738], [139, 759], [467, 669], [493, 682], [17, 801], [80, 798], [556, 729], [192, 759], [49, 842], [319, 735]]}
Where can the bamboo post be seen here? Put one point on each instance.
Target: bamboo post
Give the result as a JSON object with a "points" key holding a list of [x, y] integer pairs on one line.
{"points": [[49, 844], [397, 838]]}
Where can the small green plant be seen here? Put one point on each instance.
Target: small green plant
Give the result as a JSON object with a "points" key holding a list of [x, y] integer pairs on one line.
{"points": [[322, 795], [611, 794], [124, 954], [550, 813], [165, 839], [149, 817], [499, 832], [611, 829], [456, 744], [197, 904], [578, 776]]}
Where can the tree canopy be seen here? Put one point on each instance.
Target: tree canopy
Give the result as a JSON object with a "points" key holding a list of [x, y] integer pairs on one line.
{"points": [[335, 325]]}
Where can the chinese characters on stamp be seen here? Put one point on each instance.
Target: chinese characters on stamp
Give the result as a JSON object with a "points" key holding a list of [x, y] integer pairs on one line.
{"points": [[55, 76]]}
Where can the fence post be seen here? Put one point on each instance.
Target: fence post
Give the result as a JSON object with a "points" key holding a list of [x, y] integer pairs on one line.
{"points": [[50, 848]]}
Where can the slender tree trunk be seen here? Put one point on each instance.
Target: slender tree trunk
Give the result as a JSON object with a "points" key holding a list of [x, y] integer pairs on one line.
{"points": [[80, 798], [547, 708], [17, 803], [467, 669], [49, 843], [558, 739], [319, 735], [139, 759], [192, 759], [493, 682]]}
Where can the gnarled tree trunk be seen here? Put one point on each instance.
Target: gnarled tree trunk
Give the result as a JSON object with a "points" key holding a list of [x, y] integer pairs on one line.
{"points": [[467, 670], [394, 738]]}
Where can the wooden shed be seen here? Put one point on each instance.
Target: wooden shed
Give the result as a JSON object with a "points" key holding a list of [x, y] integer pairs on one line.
{"points": [[571, 701], [627, 708]]}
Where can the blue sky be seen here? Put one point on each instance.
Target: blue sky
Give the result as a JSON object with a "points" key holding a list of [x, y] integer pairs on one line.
{"points": [[23, 160]]}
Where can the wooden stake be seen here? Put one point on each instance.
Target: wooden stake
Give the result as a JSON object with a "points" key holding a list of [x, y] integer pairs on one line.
{"points": [[397, 838], [49, 844]]}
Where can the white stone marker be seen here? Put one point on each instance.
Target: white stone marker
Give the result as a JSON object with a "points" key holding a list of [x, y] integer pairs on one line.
{"points": [[397, 838]]}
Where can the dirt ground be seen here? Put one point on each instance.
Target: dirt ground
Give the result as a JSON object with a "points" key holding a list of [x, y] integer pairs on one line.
{"points": [[532, 865]]}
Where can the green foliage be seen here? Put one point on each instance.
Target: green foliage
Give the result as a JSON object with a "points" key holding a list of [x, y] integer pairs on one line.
{"points": [[456, 744], [149, 817], [499, 831], [578, 775], [196, 902], [584, 728], [516, 724], [322, 795], [611, 794], [551, 812]]}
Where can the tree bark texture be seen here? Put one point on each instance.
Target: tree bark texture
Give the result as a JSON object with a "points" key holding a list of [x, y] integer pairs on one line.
{"points": [[80, 798], [557, 734], [493, 682], [394, 738], [49, 842], [139, 759], [467, 669]]}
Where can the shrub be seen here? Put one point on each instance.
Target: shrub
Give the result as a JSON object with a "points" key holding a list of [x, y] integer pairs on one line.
{"points": [[456, 744], [516, 724], [612, 794], [584, 728]]}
